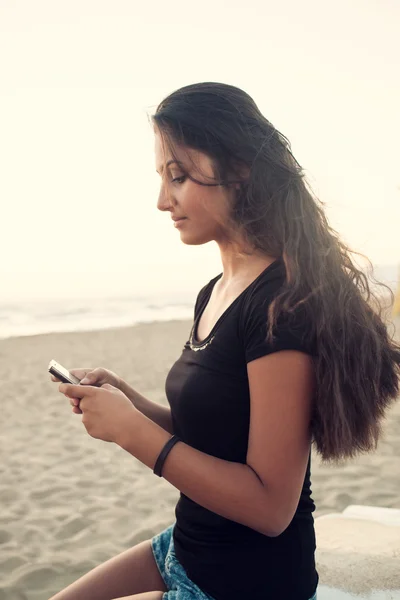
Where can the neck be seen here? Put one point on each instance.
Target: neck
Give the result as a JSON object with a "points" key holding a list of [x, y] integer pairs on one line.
{"points": [[242, 267]]}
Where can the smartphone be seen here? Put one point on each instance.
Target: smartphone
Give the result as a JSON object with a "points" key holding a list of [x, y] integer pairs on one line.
{"points": [[62, 373]]}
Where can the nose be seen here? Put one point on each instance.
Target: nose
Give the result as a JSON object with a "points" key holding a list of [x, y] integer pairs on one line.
{"points": [[165, 199]]}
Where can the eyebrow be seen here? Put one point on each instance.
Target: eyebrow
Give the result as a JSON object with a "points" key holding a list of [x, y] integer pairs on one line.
{"points": [[170, 163]]}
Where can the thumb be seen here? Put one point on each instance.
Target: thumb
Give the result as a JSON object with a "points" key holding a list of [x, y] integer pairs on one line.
{"points": [[93, 376], [108, 386]]}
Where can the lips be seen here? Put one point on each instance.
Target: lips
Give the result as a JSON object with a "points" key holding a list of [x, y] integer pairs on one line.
{"points": [[178, 218]]}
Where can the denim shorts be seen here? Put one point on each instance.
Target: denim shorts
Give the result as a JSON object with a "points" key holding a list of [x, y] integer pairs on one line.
{"points": [[179, 586]]}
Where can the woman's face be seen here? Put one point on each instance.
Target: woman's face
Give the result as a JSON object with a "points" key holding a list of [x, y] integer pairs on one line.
{"points": [[204, 210]]}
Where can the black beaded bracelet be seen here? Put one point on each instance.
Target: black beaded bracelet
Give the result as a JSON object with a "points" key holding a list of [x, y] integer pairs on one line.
{"points": [[163, 455]]}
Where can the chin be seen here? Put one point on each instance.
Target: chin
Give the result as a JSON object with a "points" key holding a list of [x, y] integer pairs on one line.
{"points": [[193, 240]]}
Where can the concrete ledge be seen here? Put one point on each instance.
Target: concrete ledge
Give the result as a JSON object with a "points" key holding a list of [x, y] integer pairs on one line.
{"points": [[358, 554]]}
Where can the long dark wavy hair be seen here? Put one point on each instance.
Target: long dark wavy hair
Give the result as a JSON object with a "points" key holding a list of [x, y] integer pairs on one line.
{"points": [[357, 362]]}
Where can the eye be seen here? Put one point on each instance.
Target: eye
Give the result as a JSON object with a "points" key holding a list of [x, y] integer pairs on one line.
{"points": [[179, 179]]}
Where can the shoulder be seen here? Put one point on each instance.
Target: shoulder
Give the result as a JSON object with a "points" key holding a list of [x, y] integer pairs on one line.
{"points": [[292, 329], [261, 293]]}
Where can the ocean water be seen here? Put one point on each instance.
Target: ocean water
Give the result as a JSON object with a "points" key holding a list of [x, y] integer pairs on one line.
{"points": [[34, 317]]}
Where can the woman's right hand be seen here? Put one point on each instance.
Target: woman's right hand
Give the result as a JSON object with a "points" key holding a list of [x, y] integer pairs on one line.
{"points": [[96, 377]]}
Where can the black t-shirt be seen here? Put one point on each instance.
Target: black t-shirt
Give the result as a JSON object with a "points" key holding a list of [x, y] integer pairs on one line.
{"points": [[208, 391]]}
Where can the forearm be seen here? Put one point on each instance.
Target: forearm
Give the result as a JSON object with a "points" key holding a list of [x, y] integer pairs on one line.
{"points": [[230, 489], [161, 415]]}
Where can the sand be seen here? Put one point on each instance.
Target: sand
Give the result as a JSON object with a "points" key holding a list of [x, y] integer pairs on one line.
{"points": [[69, 502]]}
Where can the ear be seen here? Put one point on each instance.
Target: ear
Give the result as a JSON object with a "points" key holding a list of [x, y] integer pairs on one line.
{"points": [[243, 171]]}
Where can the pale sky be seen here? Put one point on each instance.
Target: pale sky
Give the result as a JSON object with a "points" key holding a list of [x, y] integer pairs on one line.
{"points": [[78, 187]]}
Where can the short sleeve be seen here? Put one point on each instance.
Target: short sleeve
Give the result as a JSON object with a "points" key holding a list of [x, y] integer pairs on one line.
{"points": [[290, 333]]}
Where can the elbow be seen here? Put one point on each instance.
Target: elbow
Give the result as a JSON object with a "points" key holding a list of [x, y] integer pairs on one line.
{"points": [[273, 530], [275, 523], [272, 510]]}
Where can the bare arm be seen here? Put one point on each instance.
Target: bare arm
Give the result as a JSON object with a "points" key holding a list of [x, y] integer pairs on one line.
{"points": [[161, 415], [229, 489], [262, 494]]}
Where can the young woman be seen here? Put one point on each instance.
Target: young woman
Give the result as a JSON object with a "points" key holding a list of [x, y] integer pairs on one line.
{"points": [[287, 349]]}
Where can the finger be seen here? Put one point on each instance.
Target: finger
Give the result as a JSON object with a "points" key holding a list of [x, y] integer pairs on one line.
{"points": [[76, 391], [55, 379], [77, 410], [80, 373], [74, 401]]}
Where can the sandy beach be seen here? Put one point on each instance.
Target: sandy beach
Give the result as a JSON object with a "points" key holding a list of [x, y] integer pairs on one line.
{"points": [[70, 502]]}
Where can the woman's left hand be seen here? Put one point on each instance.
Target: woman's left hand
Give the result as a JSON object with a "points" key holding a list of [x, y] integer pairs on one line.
{"points": [[106, 411]]}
